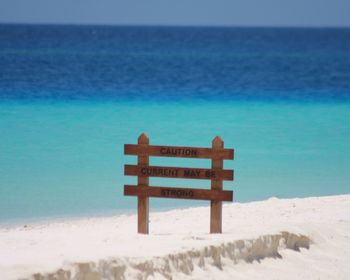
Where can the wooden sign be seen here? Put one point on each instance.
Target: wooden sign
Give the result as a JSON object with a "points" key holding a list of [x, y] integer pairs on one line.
{"points": [[184, 193], [173, 151], [143, 171], [178, 172]]}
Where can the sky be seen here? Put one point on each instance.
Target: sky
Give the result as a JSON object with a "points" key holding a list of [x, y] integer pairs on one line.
{"points": [[314, 13]]}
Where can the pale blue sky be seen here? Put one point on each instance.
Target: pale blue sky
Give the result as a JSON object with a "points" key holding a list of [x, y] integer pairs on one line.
{"points": [[179, 12]]}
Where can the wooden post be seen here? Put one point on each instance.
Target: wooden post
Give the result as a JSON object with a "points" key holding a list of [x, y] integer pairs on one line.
{"points": [[216, 184], [142, 201]]}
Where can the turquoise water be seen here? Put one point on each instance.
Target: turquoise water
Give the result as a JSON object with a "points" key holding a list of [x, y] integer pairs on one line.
{"points": [[66, 159]]}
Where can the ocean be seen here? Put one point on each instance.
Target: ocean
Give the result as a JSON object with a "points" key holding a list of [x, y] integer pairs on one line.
{"points": [[72, 96]]}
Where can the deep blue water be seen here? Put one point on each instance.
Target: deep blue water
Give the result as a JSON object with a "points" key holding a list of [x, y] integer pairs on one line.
{"points": [[162, 63], [71, 96]]}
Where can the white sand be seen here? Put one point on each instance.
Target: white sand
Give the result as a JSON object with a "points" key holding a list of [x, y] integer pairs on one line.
{"points": [[259, 241]]}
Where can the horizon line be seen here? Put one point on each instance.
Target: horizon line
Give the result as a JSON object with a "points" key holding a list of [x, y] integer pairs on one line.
{"points": [[178, 25]]}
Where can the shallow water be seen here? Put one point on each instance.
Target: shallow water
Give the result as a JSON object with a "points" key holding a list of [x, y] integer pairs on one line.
{"points": [[67, 158]]}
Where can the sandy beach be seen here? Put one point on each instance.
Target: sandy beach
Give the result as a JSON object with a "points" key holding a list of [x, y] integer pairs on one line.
{"points": [[305, 238]]}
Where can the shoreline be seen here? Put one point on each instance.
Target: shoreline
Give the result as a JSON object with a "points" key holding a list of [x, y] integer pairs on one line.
{"points": [[42, 220], [256, 236], [11, 223]]}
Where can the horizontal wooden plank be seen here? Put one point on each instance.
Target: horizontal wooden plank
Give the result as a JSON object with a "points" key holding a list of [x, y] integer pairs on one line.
{"points": [[177, 151], [181, 193], [178, 172]]}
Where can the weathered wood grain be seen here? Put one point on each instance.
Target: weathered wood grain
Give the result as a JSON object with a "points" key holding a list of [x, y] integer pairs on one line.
{"points": [[177, 151], [143, 202], [216, 185], [182, 193], [178, 172]]}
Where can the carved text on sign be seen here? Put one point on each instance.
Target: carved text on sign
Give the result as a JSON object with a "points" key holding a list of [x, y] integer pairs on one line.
{"points": [[178, 172], [178, 151], [178, 193], [156, 171]]}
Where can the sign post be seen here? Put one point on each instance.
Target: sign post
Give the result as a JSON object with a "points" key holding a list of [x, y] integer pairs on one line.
{"points": [[142, 181], [143, 171], [216, 184]]}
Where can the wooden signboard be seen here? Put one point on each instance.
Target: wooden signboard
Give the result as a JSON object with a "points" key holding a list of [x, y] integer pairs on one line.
{"points": [[143, 171]]}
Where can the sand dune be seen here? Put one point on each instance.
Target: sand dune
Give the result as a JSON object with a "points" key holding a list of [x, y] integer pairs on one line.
{"points": [[274, 239]]}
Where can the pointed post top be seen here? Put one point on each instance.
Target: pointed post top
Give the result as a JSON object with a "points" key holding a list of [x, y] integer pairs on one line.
{"points": [[217, 142], [143, 139]]}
